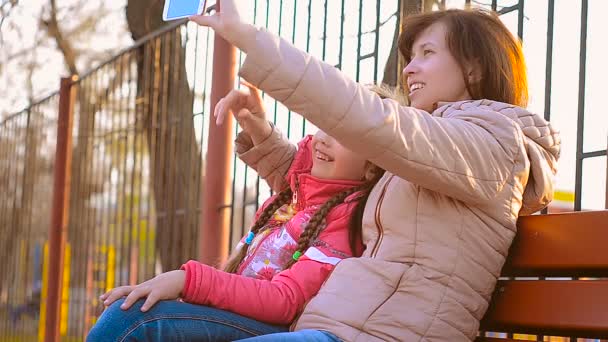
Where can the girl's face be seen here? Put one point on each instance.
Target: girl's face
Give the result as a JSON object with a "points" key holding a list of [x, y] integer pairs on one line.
{"points": [[433, 74], [331, 160]]}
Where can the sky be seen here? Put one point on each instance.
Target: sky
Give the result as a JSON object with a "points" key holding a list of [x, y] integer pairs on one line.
{"points": [[565, 84]]}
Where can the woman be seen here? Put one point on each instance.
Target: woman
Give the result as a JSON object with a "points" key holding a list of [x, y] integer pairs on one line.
{"points": [[463, 162]]}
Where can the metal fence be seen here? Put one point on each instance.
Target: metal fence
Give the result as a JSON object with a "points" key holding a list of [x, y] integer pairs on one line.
{"points": [[140, 130], [135, 182], [27, 150]]}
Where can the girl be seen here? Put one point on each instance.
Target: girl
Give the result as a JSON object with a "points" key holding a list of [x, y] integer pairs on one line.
{"points": [[462, 162], [299, 235]]}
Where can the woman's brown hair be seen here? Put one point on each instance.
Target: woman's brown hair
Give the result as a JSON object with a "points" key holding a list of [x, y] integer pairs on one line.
{"points": [[477, 37]]}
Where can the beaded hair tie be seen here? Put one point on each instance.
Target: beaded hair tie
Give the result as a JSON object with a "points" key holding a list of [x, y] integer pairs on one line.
{"points": [[249, 238]]}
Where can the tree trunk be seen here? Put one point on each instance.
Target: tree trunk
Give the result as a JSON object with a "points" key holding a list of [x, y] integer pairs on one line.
{"points": [[165, 107], [395, 63]]}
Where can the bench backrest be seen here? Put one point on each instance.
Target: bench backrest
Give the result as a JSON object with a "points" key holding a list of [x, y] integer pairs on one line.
{"points": [[573, 245]]}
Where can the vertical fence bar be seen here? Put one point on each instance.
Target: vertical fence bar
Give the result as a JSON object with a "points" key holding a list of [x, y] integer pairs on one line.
{"points": [[173, 216], [61, 194], [308, 49], [215, 228], [376, 40], [341, 50], [520, 19], [359, 36], [83, 302], [549, 59], [153, 74], [581, 107], [77, 190], [549, 67]]}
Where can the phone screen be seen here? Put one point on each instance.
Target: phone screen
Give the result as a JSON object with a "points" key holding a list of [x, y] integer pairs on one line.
{"points": [[182, 8]]}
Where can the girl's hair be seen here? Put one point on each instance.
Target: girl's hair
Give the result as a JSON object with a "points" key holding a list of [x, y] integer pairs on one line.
{"points": [[316, 223], [479, 37], [387, 92], [282, 197], [355, 231]]}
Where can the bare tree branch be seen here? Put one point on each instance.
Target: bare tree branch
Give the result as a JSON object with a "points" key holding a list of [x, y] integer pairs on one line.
{"points": [[4, 13], [26, 50], [64, 45], [38, 41], [31, 68], [88, 23]]}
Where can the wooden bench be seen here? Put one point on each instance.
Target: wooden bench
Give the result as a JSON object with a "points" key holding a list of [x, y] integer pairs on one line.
{"points": [[572, 245]]}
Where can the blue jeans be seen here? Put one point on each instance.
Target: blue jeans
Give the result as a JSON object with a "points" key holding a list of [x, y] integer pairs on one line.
{"points": [[175, 321], [301, 335]]}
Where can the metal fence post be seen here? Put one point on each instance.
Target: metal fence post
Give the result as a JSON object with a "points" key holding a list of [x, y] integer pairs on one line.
{"points": [[215, 229], [60, 207]]}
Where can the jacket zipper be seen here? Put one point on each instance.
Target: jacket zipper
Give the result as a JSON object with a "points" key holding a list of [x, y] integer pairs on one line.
{"points": [[377, 219]]}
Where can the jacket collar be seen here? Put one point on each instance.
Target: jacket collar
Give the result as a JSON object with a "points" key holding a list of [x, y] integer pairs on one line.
{"points": [[309, 190]]}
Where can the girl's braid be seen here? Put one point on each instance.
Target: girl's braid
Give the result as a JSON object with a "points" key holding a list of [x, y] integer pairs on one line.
{"points": [[315, 224], [282, 197]]}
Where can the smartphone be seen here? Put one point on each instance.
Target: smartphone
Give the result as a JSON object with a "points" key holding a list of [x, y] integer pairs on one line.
{"points": [[177, 9]]}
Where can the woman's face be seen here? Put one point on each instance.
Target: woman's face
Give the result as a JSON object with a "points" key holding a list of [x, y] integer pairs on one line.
{"points": [[433, 74]]}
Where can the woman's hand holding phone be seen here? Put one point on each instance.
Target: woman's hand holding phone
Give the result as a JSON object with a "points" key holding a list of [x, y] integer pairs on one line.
{"points": [[227, 23], [247, 107]]}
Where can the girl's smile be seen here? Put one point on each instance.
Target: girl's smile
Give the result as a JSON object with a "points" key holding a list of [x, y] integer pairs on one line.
{"points": [[331, 160]]}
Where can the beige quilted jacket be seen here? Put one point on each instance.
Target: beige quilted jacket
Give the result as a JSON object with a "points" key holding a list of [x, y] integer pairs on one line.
{"points": [[438, 225]]}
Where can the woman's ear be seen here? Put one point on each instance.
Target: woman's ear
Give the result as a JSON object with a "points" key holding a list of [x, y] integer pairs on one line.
{"points": [[473, 73], [474, 76]]}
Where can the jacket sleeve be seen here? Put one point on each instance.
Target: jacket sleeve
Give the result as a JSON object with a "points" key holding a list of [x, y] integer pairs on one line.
{"points": [[275, 301], [467, 157], [270, 159]]}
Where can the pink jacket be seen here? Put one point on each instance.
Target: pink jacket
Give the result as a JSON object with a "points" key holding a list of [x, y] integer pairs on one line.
{"points": [[261, 290]]}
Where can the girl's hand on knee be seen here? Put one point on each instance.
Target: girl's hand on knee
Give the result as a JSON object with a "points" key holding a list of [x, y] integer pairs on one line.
{"points": [[165, 286], [114, 294]]}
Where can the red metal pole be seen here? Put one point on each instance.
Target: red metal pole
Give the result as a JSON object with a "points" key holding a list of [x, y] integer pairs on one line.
{"points": [[59, 215], [215, 230]]}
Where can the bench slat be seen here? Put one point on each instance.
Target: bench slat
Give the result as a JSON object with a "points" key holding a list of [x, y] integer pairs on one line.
{"points": [[546, 307], [566, 245]]}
